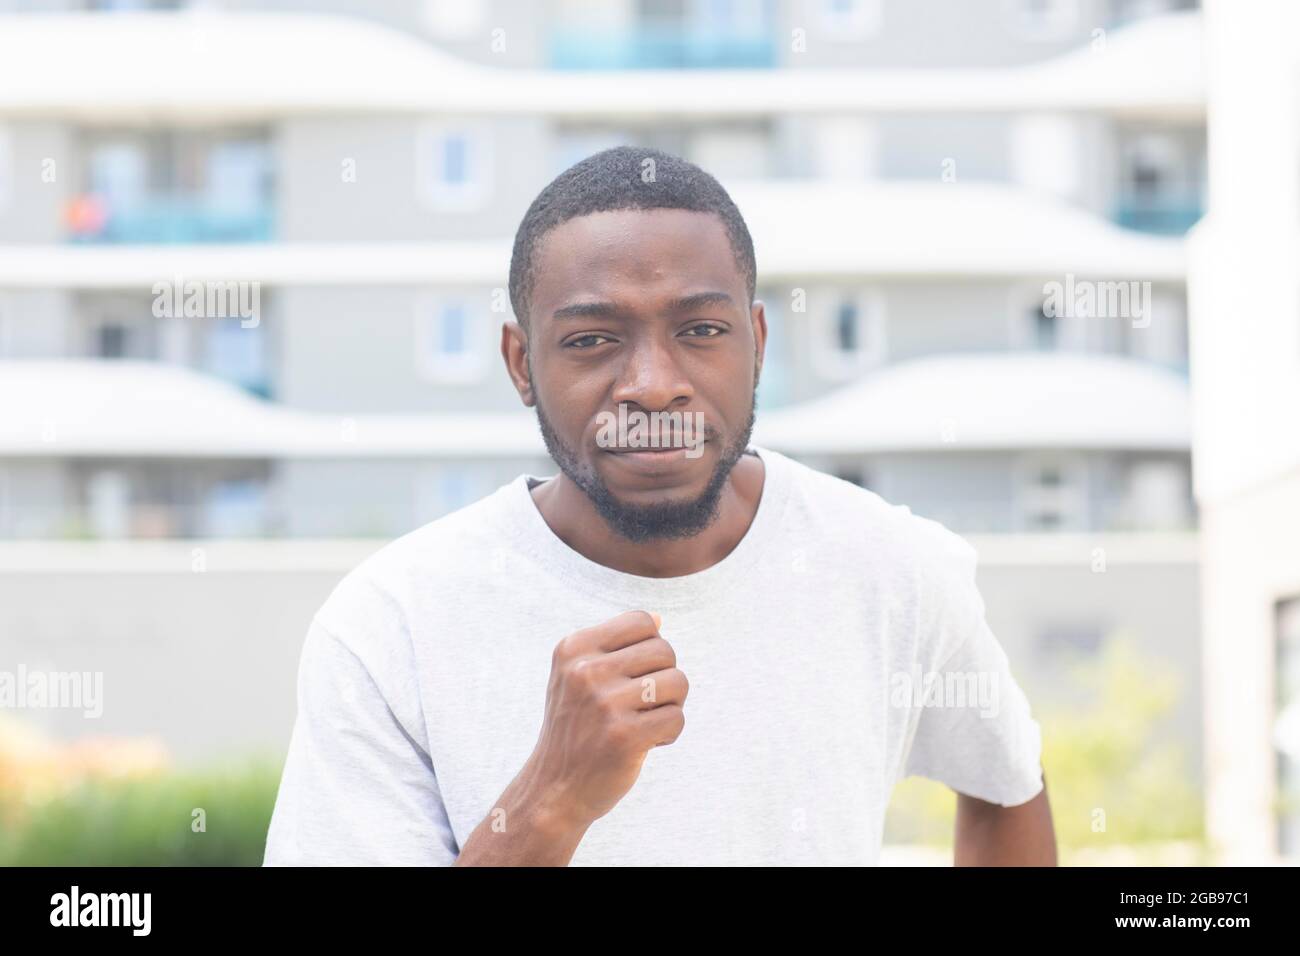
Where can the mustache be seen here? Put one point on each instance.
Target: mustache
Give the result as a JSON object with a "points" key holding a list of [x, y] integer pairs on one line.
{"points": [[638, 429]]}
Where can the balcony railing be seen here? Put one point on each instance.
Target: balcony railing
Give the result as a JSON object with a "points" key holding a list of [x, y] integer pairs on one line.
{"points": [[659, 48], [166, 220], [1168, 217], [1010, 516]]}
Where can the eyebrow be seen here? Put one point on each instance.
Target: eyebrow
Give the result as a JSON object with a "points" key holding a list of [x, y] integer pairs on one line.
{"points": [[586, 310]]}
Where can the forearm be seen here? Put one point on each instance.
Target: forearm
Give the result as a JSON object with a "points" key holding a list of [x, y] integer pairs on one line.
{"points": [[525, 828], [992, 835]]}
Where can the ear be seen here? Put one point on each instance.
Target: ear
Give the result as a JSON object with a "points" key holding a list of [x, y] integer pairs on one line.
{"points": [[514, 350], [758, 320]]}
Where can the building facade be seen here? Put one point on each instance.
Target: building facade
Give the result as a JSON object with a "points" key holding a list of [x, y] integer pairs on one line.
{"points": [[970, 245]]}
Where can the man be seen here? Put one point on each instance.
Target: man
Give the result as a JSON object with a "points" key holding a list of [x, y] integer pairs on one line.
{"points": [[691, 651]]}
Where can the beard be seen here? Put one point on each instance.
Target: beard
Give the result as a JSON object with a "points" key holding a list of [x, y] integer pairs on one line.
{"points": [[660, 520]]}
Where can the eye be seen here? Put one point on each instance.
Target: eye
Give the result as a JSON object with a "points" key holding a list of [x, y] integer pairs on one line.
{"points": [[590, 341], [705, 331]]}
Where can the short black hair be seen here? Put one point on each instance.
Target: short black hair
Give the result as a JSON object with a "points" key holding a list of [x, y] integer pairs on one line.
{"points": [[617, 179]]}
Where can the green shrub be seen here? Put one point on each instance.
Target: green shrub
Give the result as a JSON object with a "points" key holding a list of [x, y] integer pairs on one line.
{"points": [[1102, 755], [148, 821]]}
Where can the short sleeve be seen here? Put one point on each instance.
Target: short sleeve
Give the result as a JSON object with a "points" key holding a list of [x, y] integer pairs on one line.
{"points": [[972, 726], [358, 787]]}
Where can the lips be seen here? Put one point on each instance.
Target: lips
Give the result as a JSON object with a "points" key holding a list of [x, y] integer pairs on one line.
{"points": [[656, 463], [655, 449], [647, 451]]}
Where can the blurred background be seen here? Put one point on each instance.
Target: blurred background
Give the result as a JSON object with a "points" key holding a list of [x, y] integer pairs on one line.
{"points": [[1007, 249]]}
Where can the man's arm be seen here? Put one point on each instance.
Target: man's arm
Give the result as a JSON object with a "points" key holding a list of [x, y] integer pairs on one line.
{"points": [[615, 693], [359, 787], [991, 835]]}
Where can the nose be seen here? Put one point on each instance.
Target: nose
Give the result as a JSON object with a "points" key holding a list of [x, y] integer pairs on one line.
{"points": [[652, 379]]}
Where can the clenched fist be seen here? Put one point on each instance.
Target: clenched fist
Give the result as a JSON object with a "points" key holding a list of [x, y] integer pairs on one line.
{"points": [[614, 693]]}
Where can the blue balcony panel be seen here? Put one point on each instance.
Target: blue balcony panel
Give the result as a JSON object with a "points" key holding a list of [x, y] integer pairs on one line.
{"points": [[177, 221], [1162, 218], [660, 49]]}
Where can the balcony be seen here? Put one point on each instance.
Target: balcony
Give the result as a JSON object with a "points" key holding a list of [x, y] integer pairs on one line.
{"points": [[661, 48], [1159, 216], [92, 219]]}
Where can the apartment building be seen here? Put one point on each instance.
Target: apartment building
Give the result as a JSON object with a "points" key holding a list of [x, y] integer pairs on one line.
{"points": [[969, 239]]}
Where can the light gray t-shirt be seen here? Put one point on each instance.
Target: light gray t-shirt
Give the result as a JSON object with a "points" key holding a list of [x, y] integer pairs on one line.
{"points": [[839, 647]]}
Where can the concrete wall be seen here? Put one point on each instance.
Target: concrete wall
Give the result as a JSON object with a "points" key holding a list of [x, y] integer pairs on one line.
{"points": [[37, 176], [207, 659], [386, 200]]}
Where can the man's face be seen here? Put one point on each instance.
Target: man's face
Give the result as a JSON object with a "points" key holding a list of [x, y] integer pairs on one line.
{"points": [[645, 309]]}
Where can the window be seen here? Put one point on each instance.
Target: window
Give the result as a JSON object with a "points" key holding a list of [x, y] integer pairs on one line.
{"points": [[455, 488], [152, 186], [454, 167], [110, 342], [119, 176], [852, 338], [1048, 316], [1159, 496], [1052, 494], [1045, 329], [237, 354], [855, 474], [108, 504], [239, 178], [235, 509], [442, 489], [849, 20], [449, 340], [1152, 165], [1161, 181], [452, 333], [846, 326], [730, 17]]}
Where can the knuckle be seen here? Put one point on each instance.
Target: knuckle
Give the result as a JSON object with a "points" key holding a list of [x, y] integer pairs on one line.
{"points": [[619, 735], [676, 722], [582, 673], [607, 706], [562, 651]]}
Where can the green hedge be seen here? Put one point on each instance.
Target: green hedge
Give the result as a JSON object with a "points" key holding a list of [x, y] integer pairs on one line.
{"points": [[1114, 776], [148, 821]]}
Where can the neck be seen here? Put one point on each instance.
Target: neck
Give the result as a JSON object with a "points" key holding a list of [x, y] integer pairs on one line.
{"points": [[576, 522]]}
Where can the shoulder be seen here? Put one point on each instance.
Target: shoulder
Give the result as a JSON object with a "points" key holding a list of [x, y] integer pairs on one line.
{"points": [[862, 519], [368, 610], [923, 571]]}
